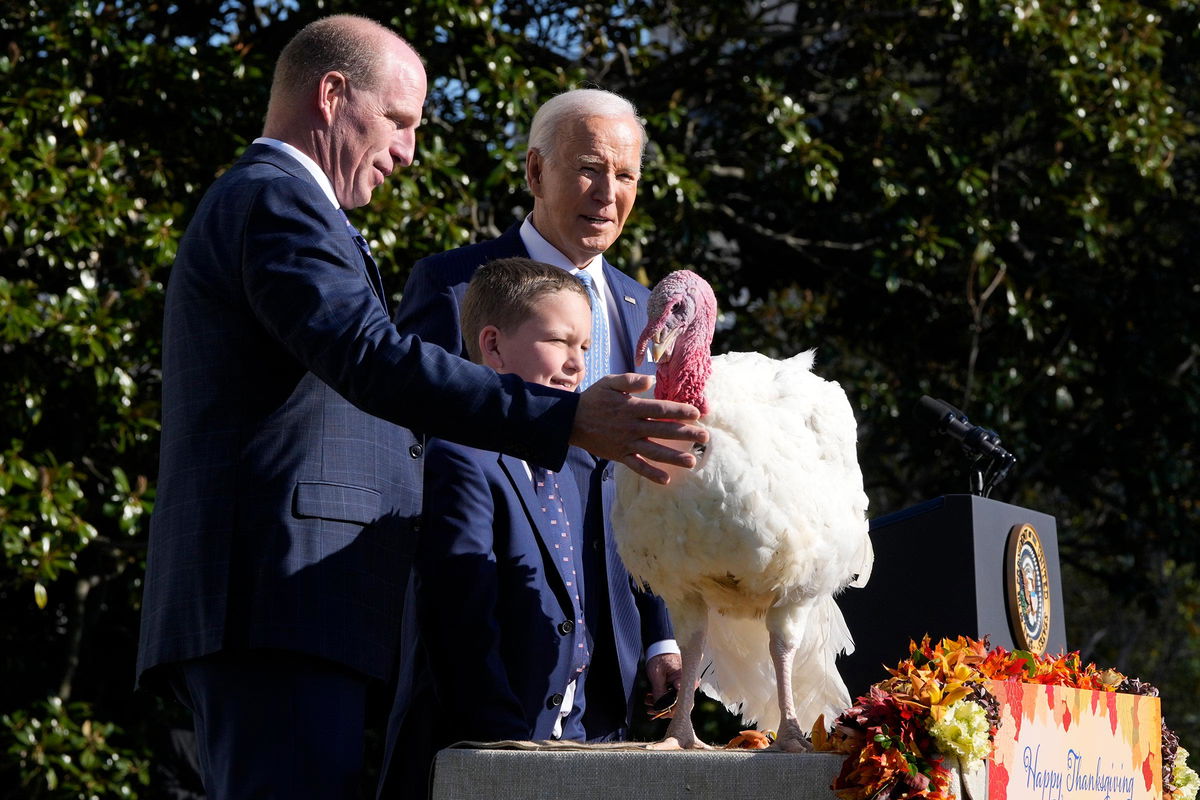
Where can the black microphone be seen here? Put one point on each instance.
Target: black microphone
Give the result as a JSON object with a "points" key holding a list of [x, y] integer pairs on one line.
{"points": [[949, 420]]}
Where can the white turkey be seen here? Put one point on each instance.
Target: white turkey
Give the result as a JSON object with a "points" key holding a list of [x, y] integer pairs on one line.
{"points": [[749, 548]]}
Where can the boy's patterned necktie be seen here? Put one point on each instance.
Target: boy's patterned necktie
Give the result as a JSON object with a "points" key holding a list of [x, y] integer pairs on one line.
{"points": [[563, 540]]}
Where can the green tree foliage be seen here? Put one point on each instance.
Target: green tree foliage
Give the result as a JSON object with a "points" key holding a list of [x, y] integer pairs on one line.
{"points": [[103, 144], [989, 202]]}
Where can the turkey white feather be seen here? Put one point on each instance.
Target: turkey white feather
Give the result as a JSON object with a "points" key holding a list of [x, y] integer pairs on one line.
{"points": [[749, 548]]}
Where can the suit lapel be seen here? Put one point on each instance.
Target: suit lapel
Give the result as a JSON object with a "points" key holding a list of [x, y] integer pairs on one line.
{"points": [[283, 160], [631, 311], [373, 276], [511, 243], [370, 268]]}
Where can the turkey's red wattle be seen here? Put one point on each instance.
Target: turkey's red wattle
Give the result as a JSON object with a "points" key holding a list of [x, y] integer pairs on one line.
{"points": [[683, 376]]}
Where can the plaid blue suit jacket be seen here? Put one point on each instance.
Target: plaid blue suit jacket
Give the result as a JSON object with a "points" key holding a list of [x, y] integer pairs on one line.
{"points": [[287, 492]]}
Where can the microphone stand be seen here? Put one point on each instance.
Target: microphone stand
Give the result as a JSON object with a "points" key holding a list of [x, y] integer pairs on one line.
{"points": [[990, 463], [983, 480]]}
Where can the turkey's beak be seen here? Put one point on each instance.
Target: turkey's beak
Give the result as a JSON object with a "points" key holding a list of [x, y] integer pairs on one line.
{"points": [[662, 343]]}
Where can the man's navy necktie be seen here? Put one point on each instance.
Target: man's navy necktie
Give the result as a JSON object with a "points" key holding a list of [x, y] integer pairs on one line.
{"points": [[369, 260]]}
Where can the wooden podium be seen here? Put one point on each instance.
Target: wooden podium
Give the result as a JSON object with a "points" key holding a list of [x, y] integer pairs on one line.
{"points": [[958, 565]]}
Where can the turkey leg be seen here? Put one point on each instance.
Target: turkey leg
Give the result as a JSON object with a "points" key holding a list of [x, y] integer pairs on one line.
{"points": [[681, 734], [789, 737]]}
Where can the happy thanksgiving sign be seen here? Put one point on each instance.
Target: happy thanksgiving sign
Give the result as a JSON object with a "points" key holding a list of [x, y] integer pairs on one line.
{"points": [[1056, 743]]}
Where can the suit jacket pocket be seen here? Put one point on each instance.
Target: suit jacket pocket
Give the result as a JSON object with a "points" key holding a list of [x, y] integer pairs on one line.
{"points": [[336, 501]]}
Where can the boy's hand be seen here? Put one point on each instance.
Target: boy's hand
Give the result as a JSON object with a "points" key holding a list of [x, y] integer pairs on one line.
{"points": [[611, 423]]}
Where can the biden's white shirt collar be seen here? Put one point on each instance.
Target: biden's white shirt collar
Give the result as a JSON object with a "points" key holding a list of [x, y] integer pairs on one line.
{"points": [[541, 250]]}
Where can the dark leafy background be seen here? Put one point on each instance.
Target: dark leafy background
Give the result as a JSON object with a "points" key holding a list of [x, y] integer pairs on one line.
{"points": [[994, 203]]}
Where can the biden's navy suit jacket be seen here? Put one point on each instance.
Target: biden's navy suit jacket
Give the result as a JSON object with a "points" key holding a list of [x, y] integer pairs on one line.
{"points": [[499, 613], [287, 491], [430, 308]]}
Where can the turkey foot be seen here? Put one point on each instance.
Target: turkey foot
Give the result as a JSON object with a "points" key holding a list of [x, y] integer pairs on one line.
{"points": [[690, 622], [791, 739], [681, 734], [681, 740]]}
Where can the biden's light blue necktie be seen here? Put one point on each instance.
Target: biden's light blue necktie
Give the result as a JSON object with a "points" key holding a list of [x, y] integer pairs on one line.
{"points": [[597, 357]]}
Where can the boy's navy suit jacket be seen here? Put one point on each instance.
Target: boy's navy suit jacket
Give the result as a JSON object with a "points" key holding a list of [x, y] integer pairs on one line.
{"points": [[431, 309], [496, 603]]}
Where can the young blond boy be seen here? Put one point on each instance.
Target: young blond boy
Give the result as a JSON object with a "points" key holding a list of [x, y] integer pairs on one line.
{"points": [[498, 576]]}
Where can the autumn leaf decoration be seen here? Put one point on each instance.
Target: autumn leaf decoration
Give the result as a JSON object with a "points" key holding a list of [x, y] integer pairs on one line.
{"points": [[901, 737]]}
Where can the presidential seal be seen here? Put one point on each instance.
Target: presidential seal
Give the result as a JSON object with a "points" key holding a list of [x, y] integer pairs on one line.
{"points": [[1028, 587]]}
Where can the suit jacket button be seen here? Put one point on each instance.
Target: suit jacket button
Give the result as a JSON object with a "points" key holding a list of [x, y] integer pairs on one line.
{"points": [[416, 450], [566, 626], [554, 700]]}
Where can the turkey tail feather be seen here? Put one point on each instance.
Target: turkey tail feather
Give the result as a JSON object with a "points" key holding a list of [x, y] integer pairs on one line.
{"points": [[742, 677], [740, 674], [865, 561], [817, 686]]}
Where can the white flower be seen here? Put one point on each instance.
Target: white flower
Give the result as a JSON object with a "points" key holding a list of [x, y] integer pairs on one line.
{"points": [[963, 731], [1184, 777]]}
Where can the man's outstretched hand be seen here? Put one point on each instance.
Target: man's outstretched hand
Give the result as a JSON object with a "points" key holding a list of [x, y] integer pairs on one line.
{"points": [[611, 423]]}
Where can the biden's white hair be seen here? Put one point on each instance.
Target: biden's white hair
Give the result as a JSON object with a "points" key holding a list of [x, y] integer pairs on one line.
{"points": [[578, 104]]}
